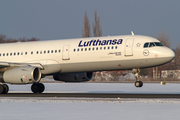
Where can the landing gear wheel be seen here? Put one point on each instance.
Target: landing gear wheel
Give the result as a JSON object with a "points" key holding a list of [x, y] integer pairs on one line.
{"points": [[37, 87], [136, 73], [138, 83], [6, 89], [41, 87], [1, 89]]}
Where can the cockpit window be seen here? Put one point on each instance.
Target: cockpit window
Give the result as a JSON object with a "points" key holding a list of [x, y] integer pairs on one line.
{"points": [[152, 44], [146, 45], [158, 44]]}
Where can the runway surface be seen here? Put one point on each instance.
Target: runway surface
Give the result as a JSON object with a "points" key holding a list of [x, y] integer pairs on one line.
{"points": [[92, 95], [97, 90]]}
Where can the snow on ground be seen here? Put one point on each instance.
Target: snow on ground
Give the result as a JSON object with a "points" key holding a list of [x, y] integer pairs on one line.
{"points": [[87, 110], [92, 109]]}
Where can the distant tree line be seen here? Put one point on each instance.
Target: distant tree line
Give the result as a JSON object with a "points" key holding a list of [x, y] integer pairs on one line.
{"points": [[5, 39]]}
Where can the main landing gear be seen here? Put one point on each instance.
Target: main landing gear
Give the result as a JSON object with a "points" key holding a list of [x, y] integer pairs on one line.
{"points": [[136, 73], [37, 87], [4, 89]]}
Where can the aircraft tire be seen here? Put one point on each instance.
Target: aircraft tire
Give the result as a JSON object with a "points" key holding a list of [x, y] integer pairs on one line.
{"points": [[37, 88], [6, 89], [41, 87], [138, 83], [1, 89]]}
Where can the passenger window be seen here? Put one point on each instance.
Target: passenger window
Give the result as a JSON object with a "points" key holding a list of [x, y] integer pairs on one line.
{"points": [[151, 44], [97, 48], [51, 51], [74, 50], [92, 48], [25, 53], [10, 54], [40, 52], [146, 45], [55, 51], [48, 51], [59, 51], [7, 54], [3, 54], [89, 49], [100, 48], [18, 53], [81, 49], [116, 47], [85, 49], [44, 52], [37, 52], [112, 47], [0, 54], [21, 53], [14, 53], [108, 47], [31, 52], [78, 49], [104, 48]]}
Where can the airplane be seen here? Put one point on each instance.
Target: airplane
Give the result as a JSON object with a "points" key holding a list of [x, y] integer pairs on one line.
{"points": [[76, 60]]}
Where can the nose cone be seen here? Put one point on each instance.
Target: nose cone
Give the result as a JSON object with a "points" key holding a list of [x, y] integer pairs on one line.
{"points": [[169, 54]]}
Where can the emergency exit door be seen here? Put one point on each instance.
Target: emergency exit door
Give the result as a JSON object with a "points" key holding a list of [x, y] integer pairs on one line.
{"points": [[65, 52], [129, 47]]}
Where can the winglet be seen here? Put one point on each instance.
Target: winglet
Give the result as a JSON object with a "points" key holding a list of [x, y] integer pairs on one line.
{"points": [[132, 33]]}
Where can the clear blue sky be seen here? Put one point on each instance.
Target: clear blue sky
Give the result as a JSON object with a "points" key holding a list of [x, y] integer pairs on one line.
{"points": [[59, 19]]}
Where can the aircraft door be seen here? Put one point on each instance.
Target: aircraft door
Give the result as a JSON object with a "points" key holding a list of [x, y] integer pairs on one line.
{"points": [[129, 47], [65, 52]]}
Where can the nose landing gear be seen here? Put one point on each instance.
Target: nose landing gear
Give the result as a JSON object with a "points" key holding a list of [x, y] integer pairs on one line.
{"points": [[138, 83]]}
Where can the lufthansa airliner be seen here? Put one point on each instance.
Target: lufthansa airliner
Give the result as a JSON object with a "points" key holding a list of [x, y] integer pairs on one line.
{"points": [[75, 60]]}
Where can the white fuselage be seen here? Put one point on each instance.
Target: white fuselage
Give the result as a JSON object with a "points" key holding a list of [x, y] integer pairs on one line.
{"points": [[87, 54]]}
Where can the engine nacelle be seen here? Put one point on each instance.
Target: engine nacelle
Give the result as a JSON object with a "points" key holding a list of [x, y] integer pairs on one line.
{"points": [[74, 77], [21, 75]]}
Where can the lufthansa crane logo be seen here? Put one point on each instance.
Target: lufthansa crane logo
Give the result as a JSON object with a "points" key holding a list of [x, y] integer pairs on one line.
{"points": [[145, 52]]}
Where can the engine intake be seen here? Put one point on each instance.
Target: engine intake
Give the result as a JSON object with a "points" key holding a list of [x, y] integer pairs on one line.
{"points": [[74, 77]]}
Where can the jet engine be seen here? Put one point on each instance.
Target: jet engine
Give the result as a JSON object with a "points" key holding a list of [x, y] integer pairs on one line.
{"points": [[74, 77], [21, 75]]}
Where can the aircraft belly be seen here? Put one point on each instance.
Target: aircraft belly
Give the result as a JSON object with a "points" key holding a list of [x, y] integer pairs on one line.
{"points": [[111, 65]]}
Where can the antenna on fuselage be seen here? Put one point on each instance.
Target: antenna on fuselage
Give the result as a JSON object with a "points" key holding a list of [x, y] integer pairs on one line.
{"points": [[132, 33]]}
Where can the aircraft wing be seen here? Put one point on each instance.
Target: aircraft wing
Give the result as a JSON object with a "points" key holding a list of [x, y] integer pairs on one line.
{"points": [[8, 64]]}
